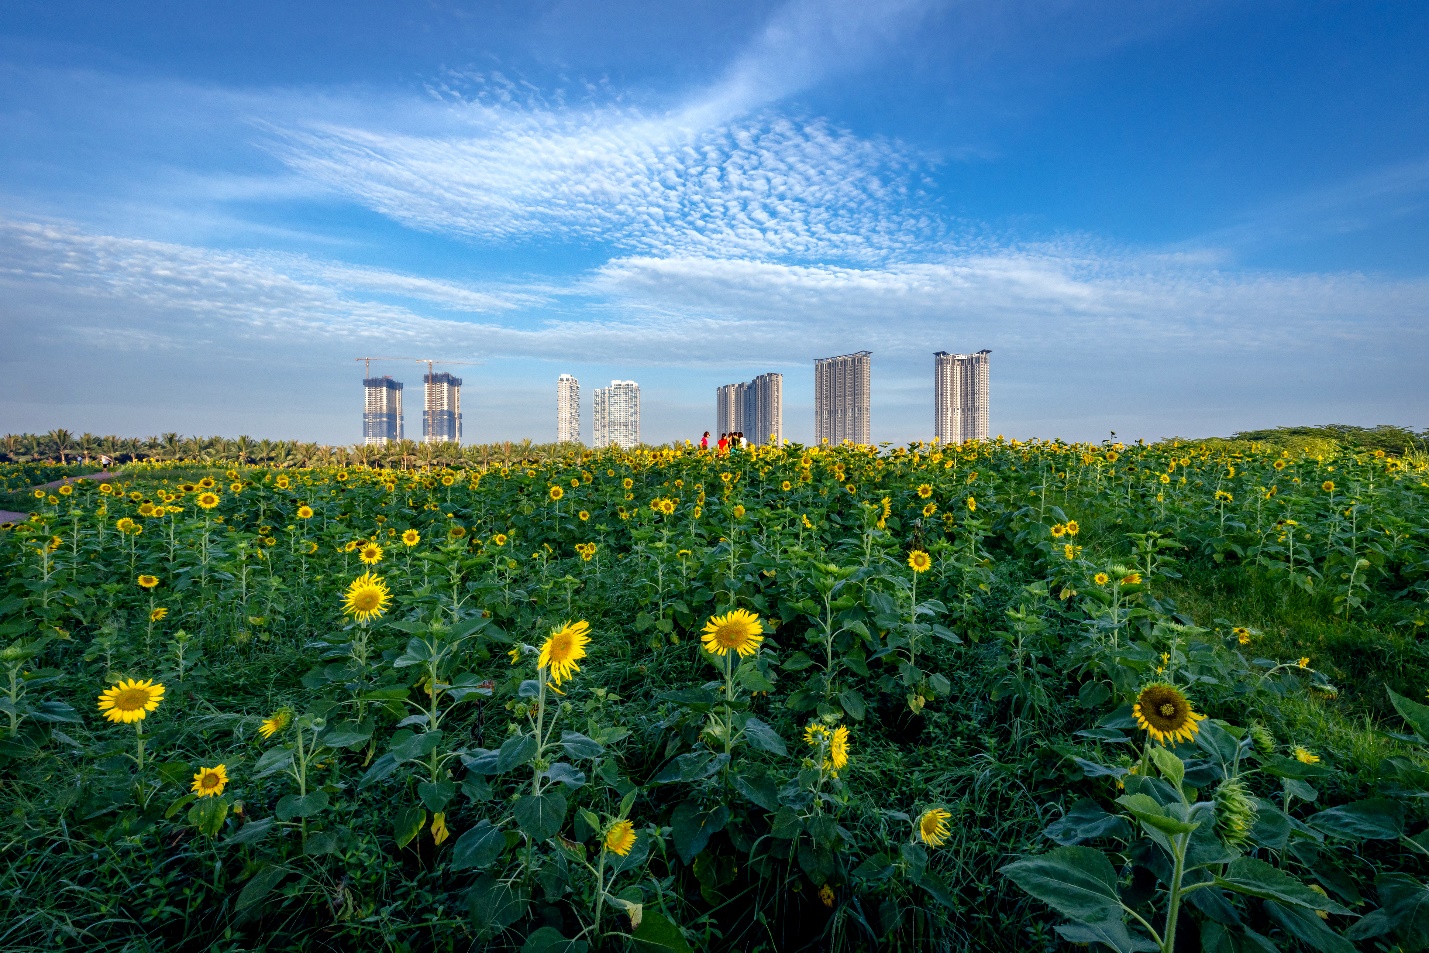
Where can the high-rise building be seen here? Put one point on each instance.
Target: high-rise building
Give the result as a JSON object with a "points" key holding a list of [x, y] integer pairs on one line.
{"points": [[568, 409], [960, 396], [441, 415], [615, 415], [381, 410], [841, 398], [754, 408]]}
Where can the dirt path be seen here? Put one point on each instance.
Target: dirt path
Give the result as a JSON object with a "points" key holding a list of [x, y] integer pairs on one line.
{"points": [[10, 516]]}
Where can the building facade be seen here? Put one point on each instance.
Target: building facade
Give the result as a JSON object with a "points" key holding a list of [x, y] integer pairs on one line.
{"points": [[568, 409], [754, 408], [842, 397], [615, 415], [441, 414], [960, 396], [381, 410]]}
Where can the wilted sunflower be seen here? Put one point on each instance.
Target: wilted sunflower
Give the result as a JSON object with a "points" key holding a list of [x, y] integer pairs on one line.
{"points": [[1165, 713], [919, 561], [563, 649], [131, 700], [305, 512], [620, 838], [370, 553], [933, 827], [147, 581], [275, 723], [367, 598], [411, 537], [736, 631], [209, 782]]}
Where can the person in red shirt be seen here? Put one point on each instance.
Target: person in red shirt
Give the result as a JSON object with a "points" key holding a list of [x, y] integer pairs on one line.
{"points": [[723, 443], [705, 441]]}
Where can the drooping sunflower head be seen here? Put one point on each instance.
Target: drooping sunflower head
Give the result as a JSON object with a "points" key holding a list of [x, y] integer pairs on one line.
{"points": [[370, 553], [563, 649], [147, 581], [620, 839], [919, 561], [275, 722], [158, 614], [209, 782], [838, 749], [933, 827], [738, 630], [367, 598], [1165, 713], [130, 700], [1305, 755], [411, 537]]}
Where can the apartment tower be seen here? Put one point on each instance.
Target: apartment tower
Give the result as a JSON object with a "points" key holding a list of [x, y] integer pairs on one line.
{"points": [[754, 408], [381, 410], [441, 417], [960, 396], [615, 415], [841, 398], [568, 409]]}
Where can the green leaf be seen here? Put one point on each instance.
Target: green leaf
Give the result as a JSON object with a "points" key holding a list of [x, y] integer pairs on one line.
{"points": [[551, 940], [252, 832], [208, 815], [1372, 819], [1086, 820], [692, 827], [540, 815], [797, 662], [578, 746], [763, 737], [853, 703], [695, 766], [1413, 712], [1077, 882], [1307, 927], [1113, 933], [408, 824], [495, 905], [1404, 908], [258, 886], [1256, 878], [515, 751], [656, 932], [348, 734], [1170, 766], [1144, 808], [291, 805], [436, 795], [1217, 938], [272, 761], [478, 847]]}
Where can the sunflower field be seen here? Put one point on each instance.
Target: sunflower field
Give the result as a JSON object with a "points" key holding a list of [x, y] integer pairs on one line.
{"points": [[1003, 696]]}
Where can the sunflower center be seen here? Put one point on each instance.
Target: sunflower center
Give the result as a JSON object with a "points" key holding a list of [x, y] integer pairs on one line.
{"points": [[560, 647], [208, 781], [366, 600], [1167, 709], [731, 635], [131, 699]]}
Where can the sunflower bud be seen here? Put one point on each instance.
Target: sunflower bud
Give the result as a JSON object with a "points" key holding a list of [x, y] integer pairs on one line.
{"points": [[1263, 740], [1235, 812]]}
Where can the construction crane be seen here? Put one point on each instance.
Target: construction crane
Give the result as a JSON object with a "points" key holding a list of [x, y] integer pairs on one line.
{"points": [[367, 362]]}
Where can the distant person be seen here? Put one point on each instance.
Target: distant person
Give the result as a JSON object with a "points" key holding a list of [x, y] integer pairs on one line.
{"points": [[705, 441], [723, 443], [104, 461]]}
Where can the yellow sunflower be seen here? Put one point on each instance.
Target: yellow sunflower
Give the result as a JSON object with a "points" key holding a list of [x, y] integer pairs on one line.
{"points": [[972, 504], [556, 494], [925, 490], [370, 553], [933, 827], [305, 512], [563, 649], [147, 581], [620, 838], [1101, 579], [157, 614], [207, 501], [367, 598], [838, 749], [131, 700], [1072, 528], [919, 561], [499, 539], [209, 782], [1328, 486], [1165, 713], [275, 723], [736, 631], [411, 537], [1305, 755], [583, 515]]}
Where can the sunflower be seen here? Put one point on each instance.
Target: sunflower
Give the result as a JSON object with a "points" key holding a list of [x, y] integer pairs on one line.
{"points": [[1101, 579], [838, 749], [739, 511], [157, 614], [627, 483], [457, 532], [209, 782], [1059, 530], [620, 838], [1279, 464], [736, 631], [786, 486], [282, 482], [1242, 634], [311, 548], [147, 581], [925, 490], [370, 553], [411, 537], [556, 494], [930, 509], [1072, 528], [1166, 714], [305, 512], [65, 490], [499, 539], [1131, 579], [972, 505], [367, 598], [919, 561], [131, 700], [1328, 486], [207, 501], [561, 651], [275, 723], [1305, 755], [933, 827], [583, 515]]}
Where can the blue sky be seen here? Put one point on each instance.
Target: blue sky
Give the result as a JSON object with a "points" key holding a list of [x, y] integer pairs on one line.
{"points": [[1163, 218]]}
